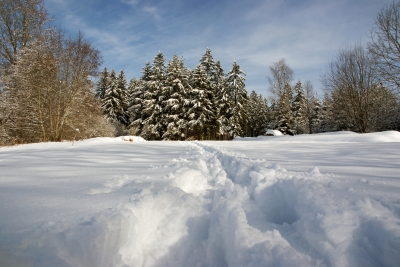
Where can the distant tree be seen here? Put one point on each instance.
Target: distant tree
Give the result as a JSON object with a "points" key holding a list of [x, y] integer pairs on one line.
{"points": [[21, 22], [219, 89], [282, 75], [201, 113], [153, 126], [216, 75], [257, 115], [299, 109], [139, 96], [133, 112], [283, 112], [124, 98], [318, 120], [282, 94], [309, 96], [208, 64], [385, 108], [385, 44], [350, 80], [236, 98], [102, 83], [173, 95], [113, 101]]}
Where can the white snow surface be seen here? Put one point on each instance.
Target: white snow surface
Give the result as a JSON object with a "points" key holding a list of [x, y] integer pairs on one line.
{"points": [[312, 200]]}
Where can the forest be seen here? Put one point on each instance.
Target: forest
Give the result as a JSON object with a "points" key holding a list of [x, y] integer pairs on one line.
{"points": [[51, 89]]}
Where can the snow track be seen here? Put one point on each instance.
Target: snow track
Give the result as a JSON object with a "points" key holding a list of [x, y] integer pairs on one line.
{"points": [[211, 208]]}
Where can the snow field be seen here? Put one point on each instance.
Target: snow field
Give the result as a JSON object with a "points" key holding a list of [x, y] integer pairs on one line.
{"points": [[205, 206]]}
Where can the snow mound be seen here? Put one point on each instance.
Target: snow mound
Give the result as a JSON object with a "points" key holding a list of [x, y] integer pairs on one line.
{"points": [[132, 139], [338, 137]]}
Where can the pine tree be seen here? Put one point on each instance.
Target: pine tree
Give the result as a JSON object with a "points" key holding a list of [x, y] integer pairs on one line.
{"points": [[318, 120], [283, 112], [208, 64], [112, 103], [219, 89], [299, 109], [258, 114], [134, 107], [215, 73], [236, 97], [201, 113], [309, 96], [176, 86], [124, 98], [102, 83], [137, 112], [153, 127]]}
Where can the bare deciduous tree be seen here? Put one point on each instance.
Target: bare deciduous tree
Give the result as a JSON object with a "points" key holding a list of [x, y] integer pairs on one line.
{"points": [[385, 44], [21, 21], [282, 75], [353, 86]]}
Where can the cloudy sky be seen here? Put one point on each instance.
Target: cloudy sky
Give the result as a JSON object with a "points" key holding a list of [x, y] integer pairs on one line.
{"points": [[254, 33]]}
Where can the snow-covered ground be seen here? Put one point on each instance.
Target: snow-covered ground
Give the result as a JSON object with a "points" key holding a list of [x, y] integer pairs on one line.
{"points": [[312, 200]]}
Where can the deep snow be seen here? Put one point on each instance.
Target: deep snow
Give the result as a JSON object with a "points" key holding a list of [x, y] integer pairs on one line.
{"points": [[311, 200]]}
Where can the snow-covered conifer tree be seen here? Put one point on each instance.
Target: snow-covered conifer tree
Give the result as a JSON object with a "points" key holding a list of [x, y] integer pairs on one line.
{"points": [[216, 76], [138, 116], [208, 64], [153, 127], [318, 122], [299, 109], [134, 108], [112, 103], [173, 95], [257, 115], [283, 112], [123, 89], [102, 83], [201, 113], [235, 98]]}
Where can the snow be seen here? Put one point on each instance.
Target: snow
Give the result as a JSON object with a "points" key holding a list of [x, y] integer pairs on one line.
{"points": [[274, 132], [328, 199]]}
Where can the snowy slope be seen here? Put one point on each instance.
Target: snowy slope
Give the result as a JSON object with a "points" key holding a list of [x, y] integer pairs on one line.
{"points": [[314, 200]]}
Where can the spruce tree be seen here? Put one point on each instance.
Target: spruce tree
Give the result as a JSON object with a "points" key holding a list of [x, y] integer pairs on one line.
{"points": [[173, 95], [124, 97], [208, 64], [219, 89], [134, 108], [153, 127], [201, 113], [299, 109], [215, 73], [236, 98], [138, 101], [112, 103], [257, 114], [283, 112], [102, 83]]}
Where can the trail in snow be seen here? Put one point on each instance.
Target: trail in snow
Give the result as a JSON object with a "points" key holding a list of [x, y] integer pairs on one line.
{"points": [[217, 208]]}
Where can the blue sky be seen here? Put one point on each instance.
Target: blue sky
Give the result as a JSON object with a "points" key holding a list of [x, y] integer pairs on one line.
{"points": [[255, 33]]}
